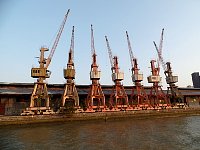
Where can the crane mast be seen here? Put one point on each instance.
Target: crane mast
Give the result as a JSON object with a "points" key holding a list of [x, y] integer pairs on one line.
{"points": [[173, 92], [139, 99], [69, 72], [95, 99], [39, 103], [118, 98], [70, 98], [94, 73]]}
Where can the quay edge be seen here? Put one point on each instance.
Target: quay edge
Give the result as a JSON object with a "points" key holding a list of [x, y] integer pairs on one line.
{"points": [[101, 116]]}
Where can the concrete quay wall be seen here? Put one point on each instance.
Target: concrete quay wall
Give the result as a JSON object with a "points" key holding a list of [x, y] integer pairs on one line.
{"points": [[103, 116]]}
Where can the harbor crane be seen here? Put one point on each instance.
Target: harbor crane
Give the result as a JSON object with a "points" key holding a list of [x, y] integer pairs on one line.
{"points": [[139, 99], [158, 98], [39, 98], [95, 99], [173, 92], [118, 98], [70, 98]]}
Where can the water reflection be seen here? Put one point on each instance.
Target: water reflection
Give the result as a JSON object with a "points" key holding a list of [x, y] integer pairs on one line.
{"points": [[156, 133]]}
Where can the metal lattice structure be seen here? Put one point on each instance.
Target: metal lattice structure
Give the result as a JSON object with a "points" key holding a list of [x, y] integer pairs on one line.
{"points": [[95, 99], [157, 97], [70, 98], [172, 91], [139, 99], [40, 99], [118, 98]]}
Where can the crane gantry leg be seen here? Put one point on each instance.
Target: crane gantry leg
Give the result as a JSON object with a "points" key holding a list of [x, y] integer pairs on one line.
{"points": [[70, 98], [158, 98], [139, 99], [39, 100], [95, 98], [118, 98]]}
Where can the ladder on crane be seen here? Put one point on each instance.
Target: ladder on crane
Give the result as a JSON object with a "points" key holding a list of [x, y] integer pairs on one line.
{"points": [[118, 98], [39, 98]]}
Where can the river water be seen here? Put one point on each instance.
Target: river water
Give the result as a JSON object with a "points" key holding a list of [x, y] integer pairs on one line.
{"points": [[174, 133]]}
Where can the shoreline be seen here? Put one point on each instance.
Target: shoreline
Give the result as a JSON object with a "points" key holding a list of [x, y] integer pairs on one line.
{"points": [[104, 116]]}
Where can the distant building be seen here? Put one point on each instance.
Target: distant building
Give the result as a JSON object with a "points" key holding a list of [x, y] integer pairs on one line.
{"points": [[196, 80]]}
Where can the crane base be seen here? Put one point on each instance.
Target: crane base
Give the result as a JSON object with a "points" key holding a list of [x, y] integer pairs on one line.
{"points": [[137, 108], [89, 110], [150, 108], [37, 111], [79, 110], [64, 110], [157, 108], [129, 109]]}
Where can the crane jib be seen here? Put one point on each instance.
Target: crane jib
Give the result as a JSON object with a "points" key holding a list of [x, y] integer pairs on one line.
{"points": [[56, 40]]}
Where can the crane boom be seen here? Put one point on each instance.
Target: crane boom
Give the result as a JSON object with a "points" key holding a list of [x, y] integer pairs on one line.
{"points": [[57, 40], [92, 41], [159, 50], [130, 50], [161, 41], [71, 51], [110, 53]]}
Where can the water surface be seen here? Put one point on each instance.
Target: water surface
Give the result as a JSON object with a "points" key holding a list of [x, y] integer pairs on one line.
{"points": [[148, 134]]}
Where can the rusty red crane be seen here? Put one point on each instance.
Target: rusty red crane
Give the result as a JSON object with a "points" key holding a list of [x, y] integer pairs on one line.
{"points": [[157, 97], [118, 98], [173, 92], [139, 99], [95, 99], [70, 98], [39, 98]]}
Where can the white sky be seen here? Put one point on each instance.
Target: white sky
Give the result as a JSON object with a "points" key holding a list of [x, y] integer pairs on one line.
{"points": [[26, 25]]}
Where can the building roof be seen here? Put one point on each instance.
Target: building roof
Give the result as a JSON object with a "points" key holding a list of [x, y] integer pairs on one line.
{"points": [[27, 88]]}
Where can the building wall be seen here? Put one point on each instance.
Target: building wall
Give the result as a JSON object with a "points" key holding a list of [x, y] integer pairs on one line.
{"points": [[193, 101], [11, 106], [16, 97], [2, 109]]}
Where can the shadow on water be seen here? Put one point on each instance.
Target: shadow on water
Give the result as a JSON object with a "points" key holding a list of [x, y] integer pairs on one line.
{"points": [[156, 133]]}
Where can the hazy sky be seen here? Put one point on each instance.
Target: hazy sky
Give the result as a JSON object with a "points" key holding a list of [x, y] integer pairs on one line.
{"points": [[26, 25]]}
